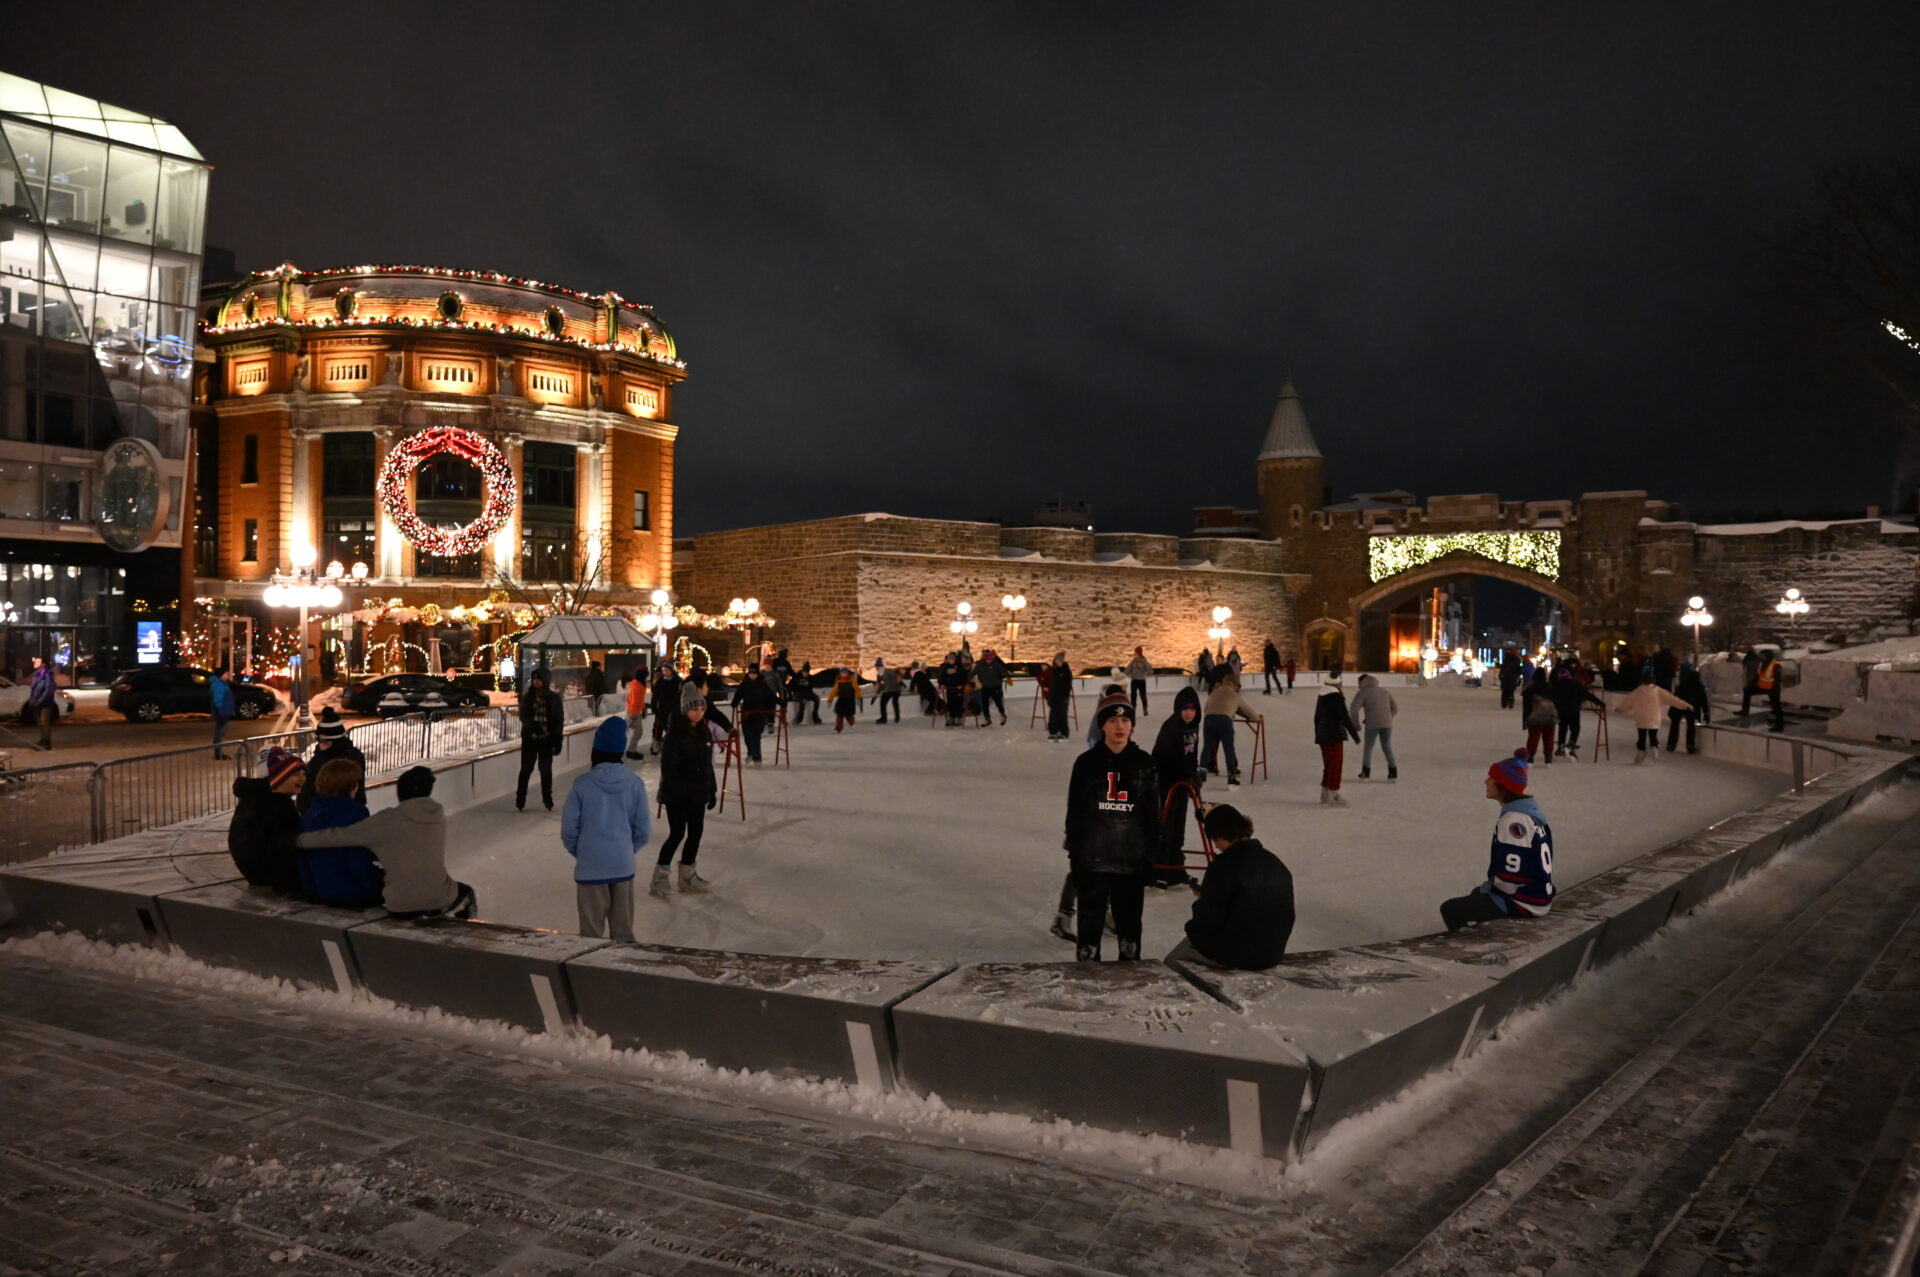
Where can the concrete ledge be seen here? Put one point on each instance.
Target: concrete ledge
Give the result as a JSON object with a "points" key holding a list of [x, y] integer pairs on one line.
{"points": [[232, 924], [1529, 960], [108, 896], [478, 969], [825, 1017], [1129, 1047]]}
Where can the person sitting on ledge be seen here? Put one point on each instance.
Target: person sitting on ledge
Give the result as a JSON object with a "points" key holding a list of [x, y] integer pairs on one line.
{"points": [[1520, 875], [1244, 916], [266, 821], [344, 875], [409, 840]]}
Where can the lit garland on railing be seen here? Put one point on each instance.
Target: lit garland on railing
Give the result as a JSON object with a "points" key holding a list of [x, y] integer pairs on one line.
{"points": [[1901, 335], [495, 510], [358, 321], [442, 272], [1537, 552]]}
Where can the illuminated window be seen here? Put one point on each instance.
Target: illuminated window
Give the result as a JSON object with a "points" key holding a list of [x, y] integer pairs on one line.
{"points": [[552, 382], [250, 546], [459, 377], [643, 402], [250, 459], [642, 515], [342, 370], [250, 378], [1537, 552]]}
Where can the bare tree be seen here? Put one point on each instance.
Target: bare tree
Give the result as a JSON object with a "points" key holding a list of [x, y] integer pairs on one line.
{"points": [[589, 584]]}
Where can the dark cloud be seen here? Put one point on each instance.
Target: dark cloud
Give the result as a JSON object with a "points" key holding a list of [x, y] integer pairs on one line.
{"points": [[956, 260]]}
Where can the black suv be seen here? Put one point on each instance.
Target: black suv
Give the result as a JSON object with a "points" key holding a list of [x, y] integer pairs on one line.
{"points": [[411, 689], [149, 694]]}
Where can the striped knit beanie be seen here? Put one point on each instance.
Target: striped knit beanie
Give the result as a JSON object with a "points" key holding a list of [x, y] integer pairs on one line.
{"points": [[1511, 773]]}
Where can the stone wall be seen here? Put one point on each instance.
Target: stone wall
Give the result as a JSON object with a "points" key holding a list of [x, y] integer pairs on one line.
{"points": [[1859, 581]]}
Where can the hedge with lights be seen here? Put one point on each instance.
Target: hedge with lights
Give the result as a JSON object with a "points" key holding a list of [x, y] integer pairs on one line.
{"points": [[497, 504], [1537, 552]]}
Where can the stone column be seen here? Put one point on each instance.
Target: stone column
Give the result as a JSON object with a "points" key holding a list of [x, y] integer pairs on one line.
{"points": [[502, 555], [386, 537], [300, 521], [590, 508]]}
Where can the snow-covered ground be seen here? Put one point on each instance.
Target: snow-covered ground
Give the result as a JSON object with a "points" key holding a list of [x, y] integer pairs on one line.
{"points": [[915, 842]]}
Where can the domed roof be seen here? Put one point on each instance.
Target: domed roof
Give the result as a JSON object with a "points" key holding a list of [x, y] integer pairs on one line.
{"points": [[1287, 434]]}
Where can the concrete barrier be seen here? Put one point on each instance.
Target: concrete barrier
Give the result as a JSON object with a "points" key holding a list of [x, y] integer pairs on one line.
{"points": [[482, 970], [826, 1017], [1127, 1047], [232, 924], [109, 892]]}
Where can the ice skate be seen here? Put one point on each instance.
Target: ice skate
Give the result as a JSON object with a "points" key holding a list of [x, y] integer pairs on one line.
{"points": [[692, 883], [1129, 951], [1063, 927], [1393, 773], [1639, 758], [1325, 795], [1366, 773], [662, 880], [1233, 780], [1087, 953], [1335, 798]]}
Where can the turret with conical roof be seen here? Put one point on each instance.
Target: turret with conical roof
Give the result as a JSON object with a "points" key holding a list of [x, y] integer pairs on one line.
{"points": [[1290, 470]]}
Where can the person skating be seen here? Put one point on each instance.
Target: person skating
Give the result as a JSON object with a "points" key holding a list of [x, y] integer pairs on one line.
{"points": [[1203, 670], [953, 688], [1540, 717], [1509, 676], [330, 743], [606, 823], [266, 821], [1112, 832], [1689, 687], [1224, 704], [1269, 668], [409, 839], [1647, 704], [1375, 709], [1176, 759], [688, 791], [802, 697], [543, 721], [1139, 670], [594, 685], [1059, 696], [1293, 668], [1244, 915], [666, 701], [991, 672], [1332, 727], [1570, 696], [846, 699], [1520, 869], [344, 875], [890, 682], [221, 697], [757, 706]]}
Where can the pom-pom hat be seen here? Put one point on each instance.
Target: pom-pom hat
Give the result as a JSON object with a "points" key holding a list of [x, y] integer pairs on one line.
{"points": [[1109, 707], [691, 697], [330, 726], [1511, 773], [280, 764]]}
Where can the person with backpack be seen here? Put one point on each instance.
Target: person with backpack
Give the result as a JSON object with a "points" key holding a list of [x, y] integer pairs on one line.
{"points": [[606, 823], [1520, 869], [1540, 716], [1333, 726], [1112, 832]]}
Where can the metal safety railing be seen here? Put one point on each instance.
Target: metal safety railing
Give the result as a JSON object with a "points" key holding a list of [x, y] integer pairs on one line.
{"points": [[49, 809]]}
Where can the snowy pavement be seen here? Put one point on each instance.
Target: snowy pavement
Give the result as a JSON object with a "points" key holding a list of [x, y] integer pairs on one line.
{"points": [[920, 842]]}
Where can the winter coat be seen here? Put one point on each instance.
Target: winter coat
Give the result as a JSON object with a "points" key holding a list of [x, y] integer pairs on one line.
{"points": [[1226, 699], [531, 731], [606, 822], [410, 842], [41, 693], [1113, 812], [846, 696], [1536, 705], [992, 674], [347, 877], [1649, 703], [1270, 659], [1332, 724], [1244, 915], [1176, 750], [1140, 668], [666, 695], [636, 697], [1374, 707], [1693, 691], [953, 677], [595, 683], [260, 837], [890, 683], [222, 694], [1569, 695], [1059, 684], [342, 748], [686, 766], [754, 696]]}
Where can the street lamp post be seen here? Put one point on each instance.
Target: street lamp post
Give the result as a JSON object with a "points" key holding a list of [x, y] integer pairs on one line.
{"points": [[1696, 616], [1220, 633], [963, 623], [656, 621], [305, 588], [741, 614], [1792, 606], [1015, 604]]}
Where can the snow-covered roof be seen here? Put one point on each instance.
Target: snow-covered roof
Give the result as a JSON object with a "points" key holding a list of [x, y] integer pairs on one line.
{"points": [[1887, 527], [586, 631], [29, 100], [1287, 434]]}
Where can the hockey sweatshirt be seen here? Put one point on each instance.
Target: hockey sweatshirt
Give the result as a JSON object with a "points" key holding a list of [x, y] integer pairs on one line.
{"points": [[1520, 874], [1113, 811]]}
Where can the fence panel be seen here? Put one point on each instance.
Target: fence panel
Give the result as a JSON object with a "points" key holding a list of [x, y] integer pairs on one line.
{"points": [[300, 743], [44, 810], [457, 733], [132, 794]]}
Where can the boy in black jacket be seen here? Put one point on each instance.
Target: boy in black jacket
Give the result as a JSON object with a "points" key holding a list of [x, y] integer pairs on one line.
{"points": [[1113, 831], [1244, 915], [1176, 758]]}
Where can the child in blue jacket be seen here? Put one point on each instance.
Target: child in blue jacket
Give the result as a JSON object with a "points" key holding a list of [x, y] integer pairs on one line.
{"points": [[606, 822], [347, 877]]}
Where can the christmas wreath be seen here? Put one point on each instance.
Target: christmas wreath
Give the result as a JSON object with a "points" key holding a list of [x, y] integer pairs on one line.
{"points": [[496, 507]]}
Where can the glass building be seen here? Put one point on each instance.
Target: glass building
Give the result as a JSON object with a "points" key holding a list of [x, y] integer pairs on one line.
{"points": [[101, 217]]}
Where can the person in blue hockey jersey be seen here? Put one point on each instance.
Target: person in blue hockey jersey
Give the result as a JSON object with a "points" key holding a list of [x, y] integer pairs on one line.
{"points": [[1520, 873]]}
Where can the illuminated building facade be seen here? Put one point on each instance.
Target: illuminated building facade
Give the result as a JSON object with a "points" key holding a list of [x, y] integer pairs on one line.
{"points": [[101, 215], [466, 436]]}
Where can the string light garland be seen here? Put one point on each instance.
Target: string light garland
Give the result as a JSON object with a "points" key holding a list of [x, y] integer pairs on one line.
{"points": [[1901, 335], [443, 272], [358, 321], [1537, 552], [496, 506]]}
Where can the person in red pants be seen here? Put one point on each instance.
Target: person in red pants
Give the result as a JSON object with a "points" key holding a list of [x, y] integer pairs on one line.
{"points": [[1333, 727]]}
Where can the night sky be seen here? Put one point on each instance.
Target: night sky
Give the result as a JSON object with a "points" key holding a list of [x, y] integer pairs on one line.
{"points": [[955, 260]]}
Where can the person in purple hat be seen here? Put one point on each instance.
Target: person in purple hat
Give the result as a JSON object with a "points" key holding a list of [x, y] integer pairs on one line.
{"points": [[1520, 873]]}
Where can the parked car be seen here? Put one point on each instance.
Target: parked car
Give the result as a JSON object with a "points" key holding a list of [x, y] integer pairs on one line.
{"points": [[372, 698], [149, 694], [13, 700]]}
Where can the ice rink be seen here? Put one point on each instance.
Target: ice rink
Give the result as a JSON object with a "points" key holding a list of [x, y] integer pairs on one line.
{"points": [[912, 841]]}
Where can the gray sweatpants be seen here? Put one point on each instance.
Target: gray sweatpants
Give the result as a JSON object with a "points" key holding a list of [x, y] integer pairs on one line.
{"points": [[604, 904]]}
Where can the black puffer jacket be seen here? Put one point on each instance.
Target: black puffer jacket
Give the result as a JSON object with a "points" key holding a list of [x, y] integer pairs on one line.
{"points": [[1176, 750], [686, 765], [1332, 723], [260, 839], [1113, 811], [1244, 915]]}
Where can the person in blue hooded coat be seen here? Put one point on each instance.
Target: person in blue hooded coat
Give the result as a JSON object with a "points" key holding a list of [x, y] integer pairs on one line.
{"points": [[605, 824], [345, 877]]}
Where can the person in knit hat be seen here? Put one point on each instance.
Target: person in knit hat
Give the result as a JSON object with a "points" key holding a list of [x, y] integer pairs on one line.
{"points": [[543, 722], [1139, 670], [607, 820], [1112, 831], [1059, 696], [1333, 726], [329, 743], [688, 791], [266, 821], [1520, 871]]}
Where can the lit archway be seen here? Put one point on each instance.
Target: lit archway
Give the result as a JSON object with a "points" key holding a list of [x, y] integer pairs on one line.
{"points": [[1378, 647]]}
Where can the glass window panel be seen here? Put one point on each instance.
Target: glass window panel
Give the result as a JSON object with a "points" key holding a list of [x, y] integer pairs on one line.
{"points": [[63, 423], [120, 325], [66, 494], [19, 490], [25, 177], [76, 183], [183, 195], [73, 261], [173, 281], [125, 269], [20, 94], [133, 184], [20, 269], [63, 316]]}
